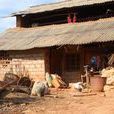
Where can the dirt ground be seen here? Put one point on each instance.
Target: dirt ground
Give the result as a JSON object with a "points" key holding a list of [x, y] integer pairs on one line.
{"points": [[61, 102]]}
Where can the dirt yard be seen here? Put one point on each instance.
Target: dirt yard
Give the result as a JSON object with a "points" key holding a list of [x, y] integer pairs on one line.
{"points": [[61, 102]]}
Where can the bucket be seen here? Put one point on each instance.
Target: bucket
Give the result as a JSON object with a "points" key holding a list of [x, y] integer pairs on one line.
{"points": [[97, 83]]}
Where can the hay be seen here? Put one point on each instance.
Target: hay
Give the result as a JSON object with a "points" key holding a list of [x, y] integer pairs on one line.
{"points": [[109, 73]]}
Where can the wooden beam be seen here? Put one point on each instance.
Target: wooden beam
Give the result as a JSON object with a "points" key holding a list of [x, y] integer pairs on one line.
{"points": [[19, 21]]}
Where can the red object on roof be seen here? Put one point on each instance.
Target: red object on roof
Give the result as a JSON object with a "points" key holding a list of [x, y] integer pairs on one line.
{"points": [[69, 20]]}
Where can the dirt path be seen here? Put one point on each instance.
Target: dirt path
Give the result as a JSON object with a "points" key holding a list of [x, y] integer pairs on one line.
{"points": [[63, 103]]}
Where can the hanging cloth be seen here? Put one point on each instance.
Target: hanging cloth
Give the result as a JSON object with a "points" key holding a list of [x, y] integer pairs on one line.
{"points": [[69, 20]]}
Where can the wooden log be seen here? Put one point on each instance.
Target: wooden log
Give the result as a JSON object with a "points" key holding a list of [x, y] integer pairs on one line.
{"points": [[84, 94], [6, 85], [21, 89]]}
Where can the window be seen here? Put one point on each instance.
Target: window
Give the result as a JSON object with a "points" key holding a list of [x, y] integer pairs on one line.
{"points": [[72, 62], [4, 59]]}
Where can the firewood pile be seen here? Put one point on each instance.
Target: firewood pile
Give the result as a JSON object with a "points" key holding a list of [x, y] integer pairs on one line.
{"points": [[14, 83]]}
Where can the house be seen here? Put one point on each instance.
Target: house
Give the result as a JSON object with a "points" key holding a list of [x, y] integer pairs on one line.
{"points": [[59, 38]]}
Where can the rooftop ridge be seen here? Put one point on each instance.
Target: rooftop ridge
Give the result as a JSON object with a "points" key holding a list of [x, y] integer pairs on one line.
{"points": [[59, 5]]}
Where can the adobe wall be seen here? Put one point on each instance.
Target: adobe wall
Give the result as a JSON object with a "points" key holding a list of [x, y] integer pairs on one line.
{"points": [[29, 63]]}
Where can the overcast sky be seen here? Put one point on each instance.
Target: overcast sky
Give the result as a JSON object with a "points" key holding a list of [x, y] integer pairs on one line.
{"points": [[9, 6]]}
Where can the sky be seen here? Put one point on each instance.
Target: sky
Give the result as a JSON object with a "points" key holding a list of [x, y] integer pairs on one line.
{"points": [[10, 6]]}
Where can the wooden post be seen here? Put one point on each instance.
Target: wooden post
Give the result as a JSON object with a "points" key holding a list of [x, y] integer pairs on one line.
{"points": [[86, 74], [19, 21]]}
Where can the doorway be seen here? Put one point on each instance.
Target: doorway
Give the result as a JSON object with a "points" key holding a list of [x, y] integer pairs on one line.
{"points": [[56, 61]]}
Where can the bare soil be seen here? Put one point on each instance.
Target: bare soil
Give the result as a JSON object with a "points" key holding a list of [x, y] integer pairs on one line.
{"points": [[61, 102]]}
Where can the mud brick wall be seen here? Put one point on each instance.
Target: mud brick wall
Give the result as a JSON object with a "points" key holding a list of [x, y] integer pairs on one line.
{"points": [[71, 77], [27, 63]]}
